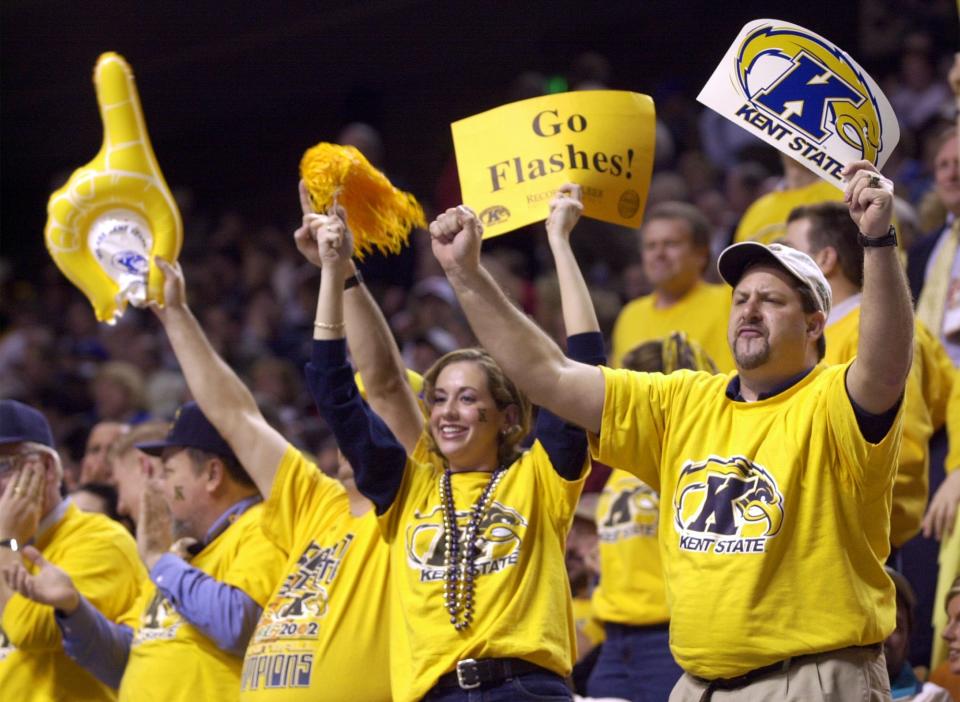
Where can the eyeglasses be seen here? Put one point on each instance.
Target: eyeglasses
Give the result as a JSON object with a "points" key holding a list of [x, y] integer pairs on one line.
{"points": [[13, 461]]}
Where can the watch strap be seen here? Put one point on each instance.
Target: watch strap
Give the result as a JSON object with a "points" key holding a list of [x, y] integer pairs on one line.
{"points": [[353, 281], [888, 239]]}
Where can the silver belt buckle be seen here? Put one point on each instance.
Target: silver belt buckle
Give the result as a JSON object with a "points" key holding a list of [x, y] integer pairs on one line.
{"points": [[467, 675]]}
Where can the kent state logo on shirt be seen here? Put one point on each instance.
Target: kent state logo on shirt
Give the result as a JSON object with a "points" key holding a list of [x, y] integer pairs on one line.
{"points": [[499, 540], [807, 94], [629, 508], [726, 506], [159, 622]]}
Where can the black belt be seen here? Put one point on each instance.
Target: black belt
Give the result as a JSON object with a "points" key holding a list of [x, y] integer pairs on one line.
{"points": [[751, 677], [471, 673]]}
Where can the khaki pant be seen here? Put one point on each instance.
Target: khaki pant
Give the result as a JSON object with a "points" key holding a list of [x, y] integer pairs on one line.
{"points": [[848, 675]]}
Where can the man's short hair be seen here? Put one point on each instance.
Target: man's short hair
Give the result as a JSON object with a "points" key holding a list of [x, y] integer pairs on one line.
{"points": [[699, 226], [809, 305], [831, 225]]}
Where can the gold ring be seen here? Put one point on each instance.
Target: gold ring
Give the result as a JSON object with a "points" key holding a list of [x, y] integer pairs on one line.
{"points": [[874, 181]]}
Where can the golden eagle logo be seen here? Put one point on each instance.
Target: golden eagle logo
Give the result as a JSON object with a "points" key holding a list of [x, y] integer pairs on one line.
{"points": [[811, 86], [732, 497], [500, 535]]}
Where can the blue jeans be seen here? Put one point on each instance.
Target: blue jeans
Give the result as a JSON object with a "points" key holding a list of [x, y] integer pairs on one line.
{"points": [[535, 687], [635, 663]]}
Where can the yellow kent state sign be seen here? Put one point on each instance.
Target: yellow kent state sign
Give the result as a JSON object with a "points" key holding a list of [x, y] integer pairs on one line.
{"points": [[513, 158]]}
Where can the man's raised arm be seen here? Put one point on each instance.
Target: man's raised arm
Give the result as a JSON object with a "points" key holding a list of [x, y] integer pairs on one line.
{"points": [[877, 376], [221, 395], [571, 390]]}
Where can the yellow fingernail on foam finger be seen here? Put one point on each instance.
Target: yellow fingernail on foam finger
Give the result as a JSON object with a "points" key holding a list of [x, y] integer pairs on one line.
{"points": [[116, 213]]}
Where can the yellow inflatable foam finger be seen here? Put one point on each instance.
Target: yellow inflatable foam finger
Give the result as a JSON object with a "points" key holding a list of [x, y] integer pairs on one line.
{"points": [[116, 213]]}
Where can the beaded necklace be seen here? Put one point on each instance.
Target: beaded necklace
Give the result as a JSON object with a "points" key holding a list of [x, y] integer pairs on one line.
{"points": [[459, 557]]}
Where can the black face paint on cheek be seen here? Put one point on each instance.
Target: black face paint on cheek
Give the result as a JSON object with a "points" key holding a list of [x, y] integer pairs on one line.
{"points": [[178, 493], [482, 414]]}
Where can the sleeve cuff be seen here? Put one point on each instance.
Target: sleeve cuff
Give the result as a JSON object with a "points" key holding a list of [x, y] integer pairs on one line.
{"points": [[79, 624], [586, 347], [328, 353], [167, 571]]}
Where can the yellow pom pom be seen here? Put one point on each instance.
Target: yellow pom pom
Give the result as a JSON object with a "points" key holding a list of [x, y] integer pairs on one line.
{"points": [[379, 215]]}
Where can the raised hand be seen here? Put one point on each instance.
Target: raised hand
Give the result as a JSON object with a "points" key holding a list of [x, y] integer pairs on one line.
{"points": [[942, 513], [869, 197], [50, 585], [174, 289], [455, 238], [323, 239], [22, 502], [565, 210], [155, 528], [334, 241]]}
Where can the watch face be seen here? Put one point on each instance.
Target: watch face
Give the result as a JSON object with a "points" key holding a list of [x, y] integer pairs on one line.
{"points": [[12, 544]]}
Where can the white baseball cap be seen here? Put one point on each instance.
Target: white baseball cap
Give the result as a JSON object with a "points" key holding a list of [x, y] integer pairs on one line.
{"points": [[736, 259]]}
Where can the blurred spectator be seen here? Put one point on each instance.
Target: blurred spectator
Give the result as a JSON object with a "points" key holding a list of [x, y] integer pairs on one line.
{"points": [[96, 497], [130, 466], [723, 140], [95, 468], [904, 684], [583, 568], [766, 219], [119, 394], [919, 96], [675, 246], [947, 674], [366, 139], [933, 265]]}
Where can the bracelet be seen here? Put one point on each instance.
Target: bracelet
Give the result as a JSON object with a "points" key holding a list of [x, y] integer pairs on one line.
{"points": [[336, 326], [888, 239], [353, 281]]}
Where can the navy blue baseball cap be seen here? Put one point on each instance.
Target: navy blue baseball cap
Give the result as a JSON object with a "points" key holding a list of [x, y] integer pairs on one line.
{"points": [[190, 429], [20, 422]]}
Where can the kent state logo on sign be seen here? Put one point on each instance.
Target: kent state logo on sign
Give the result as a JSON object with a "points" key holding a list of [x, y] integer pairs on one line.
{"points": [[805, 96], [726, 505]]}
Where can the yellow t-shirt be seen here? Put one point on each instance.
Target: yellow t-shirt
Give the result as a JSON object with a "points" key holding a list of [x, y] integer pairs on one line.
{"points": [[952, 461], [101, 558], [324, 633], [631, 589], [779, 514], [702, 314], [584, 618], [522, 602], [172, 660], [925, 410], [766, 219]]}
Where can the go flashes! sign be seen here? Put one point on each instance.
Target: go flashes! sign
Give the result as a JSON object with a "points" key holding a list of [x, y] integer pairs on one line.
{"points": [[513, 158]]}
